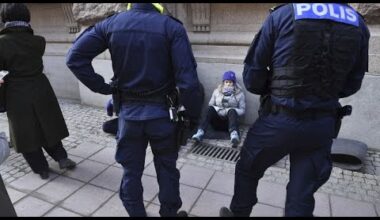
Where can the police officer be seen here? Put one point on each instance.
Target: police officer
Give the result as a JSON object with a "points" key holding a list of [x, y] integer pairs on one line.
{"points": [[305, 57], [151, 55]]}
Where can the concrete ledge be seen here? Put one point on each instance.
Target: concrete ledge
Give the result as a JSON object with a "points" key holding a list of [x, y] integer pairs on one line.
{"points": [[222, 38], [363, 124]]}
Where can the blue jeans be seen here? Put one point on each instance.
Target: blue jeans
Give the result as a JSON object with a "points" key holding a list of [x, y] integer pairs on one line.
{"points": [[308, 143], [132, 140]]}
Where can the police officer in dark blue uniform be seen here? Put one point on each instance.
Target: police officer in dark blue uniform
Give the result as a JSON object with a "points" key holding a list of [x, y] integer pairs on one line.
{"points": [[151, 57], [305, 57]]}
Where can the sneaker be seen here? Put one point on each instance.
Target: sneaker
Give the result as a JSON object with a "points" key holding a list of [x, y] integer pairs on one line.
{"points": [[66, 163], [182, 214], [225, 212], [44, 174], [199, 135], [234, 138]]}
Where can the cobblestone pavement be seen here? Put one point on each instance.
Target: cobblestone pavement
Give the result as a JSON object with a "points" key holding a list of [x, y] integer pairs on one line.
{"points": [[361, 188]]}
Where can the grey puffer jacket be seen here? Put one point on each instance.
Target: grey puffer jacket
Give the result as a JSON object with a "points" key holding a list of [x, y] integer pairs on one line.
{"points": [[223, 104], [4, 148]]}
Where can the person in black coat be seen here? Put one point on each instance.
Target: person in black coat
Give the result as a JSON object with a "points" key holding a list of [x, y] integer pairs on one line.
{"points": [[34, 116]]}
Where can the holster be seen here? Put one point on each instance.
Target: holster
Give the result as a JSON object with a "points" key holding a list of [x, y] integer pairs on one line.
{"points": [[340, 113], [116, 96], [265, 105], [184, 131]]}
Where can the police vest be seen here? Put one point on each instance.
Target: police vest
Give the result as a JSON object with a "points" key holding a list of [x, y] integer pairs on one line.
{"points": [[325, 37]]}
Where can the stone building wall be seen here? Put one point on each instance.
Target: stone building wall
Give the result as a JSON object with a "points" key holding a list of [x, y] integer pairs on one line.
{"points": [[220, 35]]}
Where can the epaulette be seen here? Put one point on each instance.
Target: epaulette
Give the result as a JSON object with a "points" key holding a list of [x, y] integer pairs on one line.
{"points": [[176, 19], [274, 8]]}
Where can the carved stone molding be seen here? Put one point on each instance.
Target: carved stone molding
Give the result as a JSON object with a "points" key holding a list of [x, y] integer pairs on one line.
{"points": [[71, 24], [201, 17]]}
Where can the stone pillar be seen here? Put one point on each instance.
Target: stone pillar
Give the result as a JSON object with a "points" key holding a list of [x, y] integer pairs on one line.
{"points": [[71, 24], [200, 17]]}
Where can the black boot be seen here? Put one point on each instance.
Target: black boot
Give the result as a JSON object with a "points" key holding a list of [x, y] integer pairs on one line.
{"points": [[182, 214], [225, 212], [66, 163], [44, 174]]}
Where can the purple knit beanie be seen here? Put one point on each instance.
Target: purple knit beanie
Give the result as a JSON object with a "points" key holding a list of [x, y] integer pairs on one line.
{"points": [[229, 75]]}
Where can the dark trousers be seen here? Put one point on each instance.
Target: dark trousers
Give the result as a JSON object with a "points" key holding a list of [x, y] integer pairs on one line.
{"points": [[132, 140], [228, 123], [6, 206], [37, 160], [270, 138], [111, 126]]}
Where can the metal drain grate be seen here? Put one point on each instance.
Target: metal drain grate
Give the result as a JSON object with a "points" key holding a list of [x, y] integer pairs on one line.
{"points": [[221, 153]]}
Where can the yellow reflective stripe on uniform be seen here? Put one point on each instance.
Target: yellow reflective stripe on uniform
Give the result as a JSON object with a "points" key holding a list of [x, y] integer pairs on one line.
{"points": [[158, 6]]}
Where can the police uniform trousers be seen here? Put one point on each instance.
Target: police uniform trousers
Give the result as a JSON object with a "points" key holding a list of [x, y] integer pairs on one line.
{"points": [[6, 206], [132, 140], [307, 141], [37, 160]]}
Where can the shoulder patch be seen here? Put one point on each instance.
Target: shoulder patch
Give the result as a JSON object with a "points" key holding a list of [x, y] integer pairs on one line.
{"points": [[331, 11], [176, 19], [274, 8]]}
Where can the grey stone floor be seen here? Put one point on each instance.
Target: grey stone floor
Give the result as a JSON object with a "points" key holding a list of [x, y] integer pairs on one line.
{"points": [[206, 184]]}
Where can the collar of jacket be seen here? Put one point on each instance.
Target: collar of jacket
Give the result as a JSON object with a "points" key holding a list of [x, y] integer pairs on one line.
{"points": [[144, 7], [16, 29]]}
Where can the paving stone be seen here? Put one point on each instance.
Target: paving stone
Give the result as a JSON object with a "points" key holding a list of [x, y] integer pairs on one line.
{"points": [[86, 170], [58, 189], [14, 195], [106, 155], [195, 176], [322, 205], [110, 178], [378, 209], [85, 149], [209, 204], [153, 210], [31, 207], [342, 207], [84, 126], [60, 212], [222, 183], [150, 186], [262, 210], [87, 199], [271, 194], [30, 182], [113, 208], [150, 170], [148, 158]]}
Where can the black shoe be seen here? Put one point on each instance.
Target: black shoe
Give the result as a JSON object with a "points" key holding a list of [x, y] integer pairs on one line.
{"points": [[225, 212], [182, 214], [44, 174], [66, 163]]}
